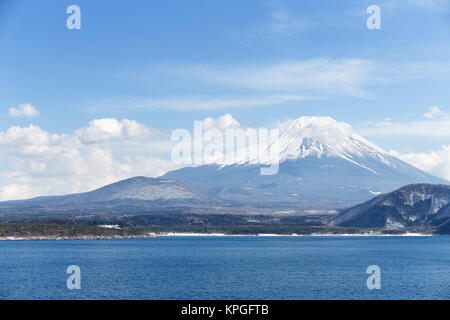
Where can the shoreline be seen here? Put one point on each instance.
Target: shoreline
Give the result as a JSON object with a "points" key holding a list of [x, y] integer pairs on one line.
{"points": [[410, 234], [206, 235]]}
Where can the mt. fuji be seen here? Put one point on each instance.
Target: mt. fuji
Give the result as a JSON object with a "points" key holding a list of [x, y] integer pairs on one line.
{"points": [[322, 163]]}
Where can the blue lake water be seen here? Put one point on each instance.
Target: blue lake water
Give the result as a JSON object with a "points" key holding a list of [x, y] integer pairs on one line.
{"points": [[228, 268]]}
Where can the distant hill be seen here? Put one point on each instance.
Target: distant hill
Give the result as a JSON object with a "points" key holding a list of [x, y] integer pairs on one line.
{"points": [[134, 195], [410, 206], [137, 188]]}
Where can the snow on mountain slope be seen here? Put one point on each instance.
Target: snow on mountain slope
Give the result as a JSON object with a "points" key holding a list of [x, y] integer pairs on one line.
{"points": [[133, 189], [412, 205], [141, 188], [311, 137]]}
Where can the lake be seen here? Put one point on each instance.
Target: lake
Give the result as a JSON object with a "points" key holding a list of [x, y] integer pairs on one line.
{"points": [[228, 268]]}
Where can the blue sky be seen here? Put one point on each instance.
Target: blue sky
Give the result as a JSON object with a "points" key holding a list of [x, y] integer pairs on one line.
{"points": [[168, 63]]}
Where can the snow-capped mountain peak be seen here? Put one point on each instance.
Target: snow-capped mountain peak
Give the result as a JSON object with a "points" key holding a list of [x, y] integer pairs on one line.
{"points": [[310, 137]]}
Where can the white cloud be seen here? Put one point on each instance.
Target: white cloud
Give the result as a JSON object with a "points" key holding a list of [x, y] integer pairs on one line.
{"points": [[436, 162], [35, 162], [15, 191], [416, 128], [211, 103], [30, 135], [24, 110], [346, 76], [110, 129], [284, 82], [222, 123], [319, 77], [435, 113], [436, 124]]}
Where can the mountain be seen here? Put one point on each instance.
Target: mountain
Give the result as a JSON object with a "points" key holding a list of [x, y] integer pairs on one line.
{"points": [[324, 166], [131, 191], [409, 206], [139, 188], [322, 163]]}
